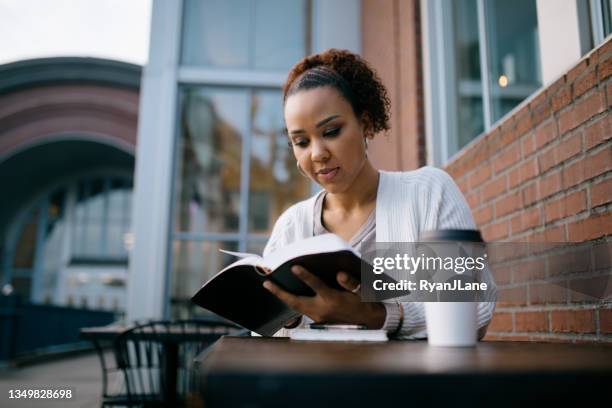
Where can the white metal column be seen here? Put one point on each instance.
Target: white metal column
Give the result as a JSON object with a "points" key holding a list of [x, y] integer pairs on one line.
{"points": [[147, 281]]}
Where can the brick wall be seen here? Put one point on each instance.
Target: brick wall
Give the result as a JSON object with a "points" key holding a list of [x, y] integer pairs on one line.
{"points": [[391, 32], [545, 175]]}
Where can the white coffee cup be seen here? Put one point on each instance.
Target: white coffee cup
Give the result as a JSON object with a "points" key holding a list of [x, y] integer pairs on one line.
{"points": [[451, 324]]}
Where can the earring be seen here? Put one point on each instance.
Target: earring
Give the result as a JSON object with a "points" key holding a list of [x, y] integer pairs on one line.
{"points": [[300, 170], [365, 139]]}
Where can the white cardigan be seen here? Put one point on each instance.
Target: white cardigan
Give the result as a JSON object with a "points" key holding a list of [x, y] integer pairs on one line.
{"points": [[406, 204]]}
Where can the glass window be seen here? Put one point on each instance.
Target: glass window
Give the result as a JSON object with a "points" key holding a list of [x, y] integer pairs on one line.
{"points": [[485, 61], [214, 122], [512, 40], [274, 183], [193, 263], [102, 218], [247, 34]]}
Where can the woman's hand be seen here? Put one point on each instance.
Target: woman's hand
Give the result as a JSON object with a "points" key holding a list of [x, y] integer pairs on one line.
{"points": [[331, 305]]}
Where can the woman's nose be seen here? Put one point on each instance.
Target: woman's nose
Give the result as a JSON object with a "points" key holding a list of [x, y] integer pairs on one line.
{"points": [[319, 151]]}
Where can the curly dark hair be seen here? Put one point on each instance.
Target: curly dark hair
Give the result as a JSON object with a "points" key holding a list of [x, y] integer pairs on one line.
{"points": [[350, 75]]}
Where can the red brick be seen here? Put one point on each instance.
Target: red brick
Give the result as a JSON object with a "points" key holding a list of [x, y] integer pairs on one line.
{"points": [[573, 174], [528, 170], [590, 228], [590, 289], [598, 163], [462, 184], [516, 224], [529, 269], [530, 322], [605, 321], [609, 93], [473, 199], [496, 231], [494, 188], [523, 122], [554, 234], [483, 215], [557, 154], [572, 321], [502, 274], [547, 293], [528, 145], [507, 157], [562, 98], [571, 204], [514, 178], [501, 322], [506, 136], [530, 193], [524, 172], [601, 193], [508, 204], [545, 133], [550, 184], [540, 109], [605, 68], [576, 71], [531, 218], [512, 296], [598, 132], [481, 174], [585, 82], [582, 110]]}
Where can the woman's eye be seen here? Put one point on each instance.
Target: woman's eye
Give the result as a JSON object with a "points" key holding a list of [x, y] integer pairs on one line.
{"points": [[299, 142], [332, 132]]}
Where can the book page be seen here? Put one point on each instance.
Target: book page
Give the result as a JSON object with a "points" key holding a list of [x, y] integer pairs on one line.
{"points": [[309, 246]]}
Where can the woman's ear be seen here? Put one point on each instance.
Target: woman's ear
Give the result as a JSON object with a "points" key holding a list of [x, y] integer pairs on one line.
{"points": [[367, 125]]}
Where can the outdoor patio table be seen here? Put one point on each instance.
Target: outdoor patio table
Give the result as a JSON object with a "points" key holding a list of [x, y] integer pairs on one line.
{"points": [[170, 341], [267, 372]]}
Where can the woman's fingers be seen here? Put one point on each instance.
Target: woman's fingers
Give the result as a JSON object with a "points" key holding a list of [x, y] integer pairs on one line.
{"points": [[311, 280], [348, 282], [291, 300]]}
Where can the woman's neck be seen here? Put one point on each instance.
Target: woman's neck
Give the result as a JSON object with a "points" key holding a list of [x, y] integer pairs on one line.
{"points": [[360, 194]]}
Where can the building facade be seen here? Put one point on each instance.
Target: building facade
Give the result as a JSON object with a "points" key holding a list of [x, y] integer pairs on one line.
{"points": [[511, 98]]}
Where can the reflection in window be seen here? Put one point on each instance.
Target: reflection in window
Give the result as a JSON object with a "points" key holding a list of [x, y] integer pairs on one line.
{"points": [[247, 34], [213, 126], [274, 182], [102, 213], [512, 68]]}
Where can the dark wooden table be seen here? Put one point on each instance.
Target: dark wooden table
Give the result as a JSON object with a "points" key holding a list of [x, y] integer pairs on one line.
{"points": [[268, 372]]}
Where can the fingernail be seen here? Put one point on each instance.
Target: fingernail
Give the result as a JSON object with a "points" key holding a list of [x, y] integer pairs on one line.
{"points": [[296, 270], [343, 277], [267, 285]]}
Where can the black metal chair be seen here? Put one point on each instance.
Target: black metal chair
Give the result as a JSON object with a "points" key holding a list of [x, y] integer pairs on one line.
{"points": [[155, 360]]}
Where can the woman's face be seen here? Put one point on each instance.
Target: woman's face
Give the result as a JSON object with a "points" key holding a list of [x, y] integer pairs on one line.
{"points": [[327, 137]]}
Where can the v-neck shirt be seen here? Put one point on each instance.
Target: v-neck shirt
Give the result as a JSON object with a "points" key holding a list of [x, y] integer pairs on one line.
{"points": [[364, 238]]}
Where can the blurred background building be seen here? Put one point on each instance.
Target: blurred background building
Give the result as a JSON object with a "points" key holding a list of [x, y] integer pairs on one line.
{"points": [[510, 97]]}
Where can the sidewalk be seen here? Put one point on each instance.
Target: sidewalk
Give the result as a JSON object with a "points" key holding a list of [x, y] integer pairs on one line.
{"points": [[80, 373]]}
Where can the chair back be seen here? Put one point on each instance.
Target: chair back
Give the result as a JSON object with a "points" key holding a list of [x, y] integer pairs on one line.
{"points": [[156, 358]]}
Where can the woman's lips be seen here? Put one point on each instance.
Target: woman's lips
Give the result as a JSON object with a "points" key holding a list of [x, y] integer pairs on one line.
{"points": [[328, 174]]}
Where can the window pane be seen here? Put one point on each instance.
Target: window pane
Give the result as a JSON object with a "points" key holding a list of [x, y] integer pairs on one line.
{"points": [[514, 60], [275, 183], [265, 34], [606, 8], [193, 263], [216, 33], [469, 120], [280, 33], [213, 125]]}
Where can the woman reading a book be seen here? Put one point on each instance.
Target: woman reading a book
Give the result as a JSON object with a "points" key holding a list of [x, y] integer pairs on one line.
{"points": [[334, 103]]}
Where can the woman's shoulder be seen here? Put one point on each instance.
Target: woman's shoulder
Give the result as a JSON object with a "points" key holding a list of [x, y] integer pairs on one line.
{"points": [[427, 176], [300, 210]]}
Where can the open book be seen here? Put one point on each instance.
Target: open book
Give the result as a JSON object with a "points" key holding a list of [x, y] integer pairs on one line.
{"points": [[237, 294]]}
